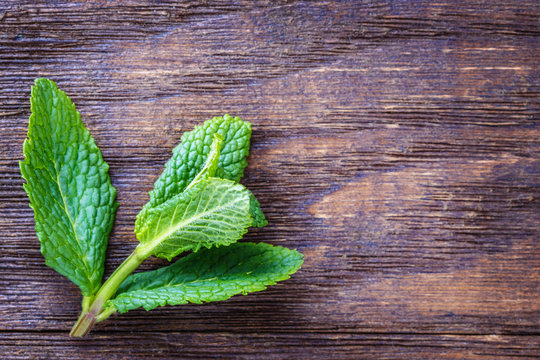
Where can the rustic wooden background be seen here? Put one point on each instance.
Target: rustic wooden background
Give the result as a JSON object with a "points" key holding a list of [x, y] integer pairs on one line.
{"points": [[395, 143]]}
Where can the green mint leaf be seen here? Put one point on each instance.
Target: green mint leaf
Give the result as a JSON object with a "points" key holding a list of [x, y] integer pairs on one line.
{"points": [[259, 220], [189, 157], [69, 188], [212, 162], [212, 212], [208, 275]]}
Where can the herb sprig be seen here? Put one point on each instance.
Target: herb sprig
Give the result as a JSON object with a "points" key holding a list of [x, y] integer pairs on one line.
{"points": [[196, 205]]}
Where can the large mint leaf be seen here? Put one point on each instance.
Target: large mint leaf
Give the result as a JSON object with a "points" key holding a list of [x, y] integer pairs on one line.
{"points": [[208, 275], [69, 188], [212, 212], [189, 157]]}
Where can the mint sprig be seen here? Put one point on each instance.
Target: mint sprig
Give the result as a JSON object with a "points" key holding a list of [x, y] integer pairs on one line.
{"points": [[196, 205]]}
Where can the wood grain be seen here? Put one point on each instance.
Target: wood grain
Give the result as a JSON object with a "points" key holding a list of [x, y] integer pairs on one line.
{"points": [[395, 143]]}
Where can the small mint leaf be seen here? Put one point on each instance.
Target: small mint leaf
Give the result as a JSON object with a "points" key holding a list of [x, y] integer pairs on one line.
{"points": [[259, 220], [212, 161]]}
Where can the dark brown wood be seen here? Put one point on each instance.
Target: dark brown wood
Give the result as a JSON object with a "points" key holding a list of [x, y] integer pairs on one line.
{"points": [[396, 144]]}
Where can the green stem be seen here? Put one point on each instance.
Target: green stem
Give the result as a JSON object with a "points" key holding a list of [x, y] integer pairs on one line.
{"points": [[104, 315], [83, 324], [86, 302], [90, 316]]}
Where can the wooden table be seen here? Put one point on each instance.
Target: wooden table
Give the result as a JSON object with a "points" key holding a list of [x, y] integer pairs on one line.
{"points": [[395, 143]]}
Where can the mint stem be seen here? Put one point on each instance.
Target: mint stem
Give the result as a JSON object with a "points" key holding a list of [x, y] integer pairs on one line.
{"points": [[83, 325], [86, 302], [88, 318], [104, 315]]}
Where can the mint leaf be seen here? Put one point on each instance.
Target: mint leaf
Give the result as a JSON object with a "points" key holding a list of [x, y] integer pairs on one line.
{"points": [[259, 220], [69, 188], [209, 170], [212, 161], [190, 155], [212, 212], [208, 275]]}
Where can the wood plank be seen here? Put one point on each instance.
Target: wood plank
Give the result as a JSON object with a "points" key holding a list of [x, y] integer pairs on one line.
{"points": [[396, 144], [275, 346]]}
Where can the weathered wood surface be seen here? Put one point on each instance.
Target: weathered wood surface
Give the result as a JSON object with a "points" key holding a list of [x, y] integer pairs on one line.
{"points": [[396, 144]]}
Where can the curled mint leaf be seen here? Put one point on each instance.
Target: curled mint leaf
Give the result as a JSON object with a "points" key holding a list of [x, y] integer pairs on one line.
{"points": [[212, 162]]}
